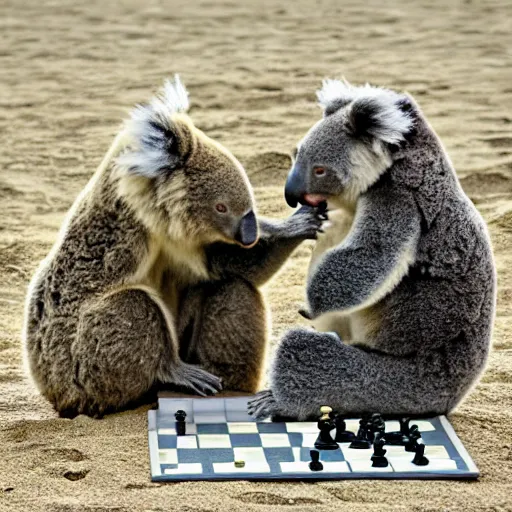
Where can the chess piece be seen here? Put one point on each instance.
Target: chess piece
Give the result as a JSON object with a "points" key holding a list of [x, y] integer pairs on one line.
{"points": [[239, 463], [378, 458], [404, 426], [412, 440], [419, 455], [342, 434], [181, 426], [315, 464], [324, 440], [361, 441]]}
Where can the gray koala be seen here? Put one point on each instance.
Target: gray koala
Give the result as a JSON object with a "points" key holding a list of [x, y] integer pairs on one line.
{"points": [[155, 278], [409, 284]]}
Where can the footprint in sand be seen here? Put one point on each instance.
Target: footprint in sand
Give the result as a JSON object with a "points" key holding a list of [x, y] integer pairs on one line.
{"points": [[266, 498]]}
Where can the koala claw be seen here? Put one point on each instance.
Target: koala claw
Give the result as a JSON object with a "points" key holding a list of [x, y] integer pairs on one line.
{"points": [[305, 313], [263, 405], [306, 222]]}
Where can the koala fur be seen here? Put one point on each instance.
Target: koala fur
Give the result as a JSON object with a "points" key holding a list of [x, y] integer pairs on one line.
{"points": [[154, 280], [403, 283]]}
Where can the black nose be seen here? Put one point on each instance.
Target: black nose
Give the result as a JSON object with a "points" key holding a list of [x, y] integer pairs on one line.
{"points": [[294, 189], [247, 232]]}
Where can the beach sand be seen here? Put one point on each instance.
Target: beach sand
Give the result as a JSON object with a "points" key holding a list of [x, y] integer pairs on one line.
{"points": [[71, 70]]}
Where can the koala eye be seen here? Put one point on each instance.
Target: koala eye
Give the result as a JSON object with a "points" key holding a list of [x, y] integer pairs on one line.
{"points": [[221, 207], [319, 171]]}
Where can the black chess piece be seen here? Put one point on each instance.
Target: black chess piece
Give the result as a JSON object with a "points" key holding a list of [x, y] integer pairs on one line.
{"points": [[342, 434], [324, 441], [404, 426], [377, 425], [412, 442], [378, 458], [361, 441], [419, 455], [181, 426], [315, 464]]}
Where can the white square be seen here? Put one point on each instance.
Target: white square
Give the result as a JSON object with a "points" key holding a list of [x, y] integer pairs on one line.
{"points": [[302, 427], [242, 428], [214, 441], [186, 442], [274, 440], [168, 456], [190, 429], [355, 454], [303, 467], [250, 467], [308, 440], [393, 426], [436, 452], [192, 468], [250, 454], [423, 425], [352, 425], [407, 466], [365, 466]]}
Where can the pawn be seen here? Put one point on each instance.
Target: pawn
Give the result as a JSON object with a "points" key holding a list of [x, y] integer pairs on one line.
{"points": [[361, 441], [181, 426], [342, 434], [419, 455], [315, 464], [324, 441], [412, 440]]}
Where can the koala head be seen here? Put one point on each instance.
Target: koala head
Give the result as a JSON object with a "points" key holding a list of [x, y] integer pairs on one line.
{"points": [[180, 182], [345, 152]]}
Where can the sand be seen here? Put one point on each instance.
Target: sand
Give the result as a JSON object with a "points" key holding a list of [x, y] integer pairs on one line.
{"points": [[69, 73]]}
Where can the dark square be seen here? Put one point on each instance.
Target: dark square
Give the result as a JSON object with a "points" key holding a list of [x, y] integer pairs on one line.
{"points": [[245, 440], [212, 428], [272, 428], [276, 455], [295, 439], [166, 441], [189, 455]]}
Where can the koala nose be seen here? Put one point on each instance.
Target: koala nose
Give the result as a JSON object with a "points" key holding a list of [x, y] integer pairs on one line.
{"points": [[295, 188], [247, 232]]}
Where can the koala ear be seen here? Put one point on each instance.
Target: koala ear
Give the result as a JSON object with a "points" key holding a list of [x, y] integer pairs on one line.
{"points": [[155, 146], [381, 116]]}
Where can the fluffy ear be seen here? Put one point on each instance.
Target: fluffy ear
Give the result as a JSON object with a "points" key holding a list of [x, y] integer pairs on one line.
{"points": [[378, 117], [154, 140]]}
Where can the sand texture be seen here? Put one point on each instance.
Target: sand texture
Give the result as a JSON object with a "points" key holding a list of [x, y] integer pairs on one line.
{"points": [[69, 72]]}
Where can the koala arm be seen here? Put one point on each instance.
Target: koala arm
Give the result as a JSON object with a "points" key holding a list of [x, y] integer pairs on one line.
{"points": [[277, 241], [372, 259]]}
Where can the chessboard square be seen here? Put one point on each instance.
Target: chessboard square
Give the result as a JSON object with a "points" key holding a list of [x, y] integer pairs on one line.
{"points": [[434, 465], [243, 428], [276, 455], [210, 418], [365, 466], [271, 428], [355, 454], [423, 425], [212, 428], [352, 425], [331, 456], [214, 441], [393, 426], [188, 456], [249, 454], [245, 440], [295, 439], [302, 427], [436, 452], [250, 467], [185, 469], [168, 456], [274, 440], [336, 467], [189, 442], [166, 431], [308, 440], [167, 442]]}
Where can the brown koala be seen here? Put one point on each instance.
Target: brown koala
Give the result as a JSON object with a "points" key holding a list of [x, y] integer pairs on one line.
{"points": [[154, 278]]}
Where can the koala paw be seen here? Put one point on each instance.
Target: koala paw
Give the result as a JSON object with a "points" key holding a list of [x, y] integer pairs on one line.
{"points": [[306, 222], [263, 405]]}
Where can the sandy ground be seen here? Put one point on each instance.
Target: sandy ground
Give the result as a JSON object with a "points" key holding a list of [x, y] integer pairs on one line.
{"points": [[70, 71]]}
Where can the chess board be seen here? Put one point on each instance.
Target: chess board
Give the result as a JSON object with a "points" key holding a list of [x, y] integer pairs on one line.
{"points": [[219, 431]]}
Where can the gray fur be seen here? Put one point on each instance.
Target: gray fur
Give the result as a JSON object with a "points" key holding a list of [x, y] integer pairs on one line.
{"points": [[414, 279], [147, 286]]}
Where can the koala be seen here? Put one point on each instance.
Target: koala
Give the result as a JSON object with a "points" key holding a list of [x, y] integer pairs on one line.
{"points": [[404, 298], [154, 280]]}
